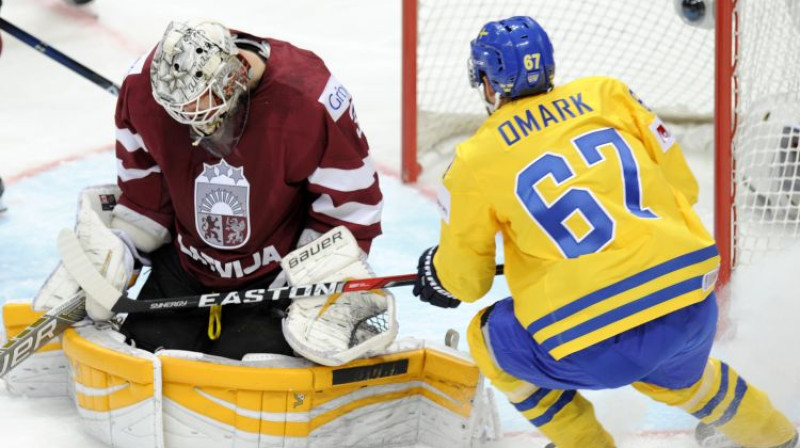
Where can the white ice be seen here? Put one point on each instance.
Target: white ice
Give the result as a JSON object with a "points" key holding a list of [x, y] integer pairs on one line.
{"points": [[56, 136]]}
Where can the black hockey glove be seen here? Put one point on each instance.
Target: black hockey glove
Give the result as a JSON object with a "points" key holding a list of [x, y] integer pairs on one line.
{"points": [[427, 286]]}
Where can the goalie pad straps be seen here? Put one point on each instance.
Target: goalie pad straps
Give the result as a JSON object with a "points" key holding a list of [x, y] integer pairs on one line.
{"points": [[333, 330]]}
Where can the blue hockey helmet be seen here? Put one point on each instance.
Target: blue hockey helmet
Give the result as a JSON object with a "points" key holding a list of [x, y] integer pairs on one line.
{"points": [[516, 55]]}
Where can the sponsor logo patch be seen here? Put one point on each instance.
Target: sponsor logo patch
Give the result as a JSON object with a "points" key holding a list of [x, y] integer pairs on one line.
{"points": [[107, 202], [662, 134], [710, 279], [335, 98], [222, 206]]}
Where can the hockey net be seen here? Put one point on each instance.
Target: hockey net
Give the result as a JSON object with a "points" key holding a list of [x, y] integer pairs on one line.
{"points": [[667, 62], [766, 93]]}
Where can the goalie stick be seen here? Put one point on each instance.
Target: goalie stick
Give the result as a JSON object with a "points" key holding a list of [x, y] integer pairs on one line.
{"points": [[55, 321], [127, 305], [79, 266], [46, 328]]}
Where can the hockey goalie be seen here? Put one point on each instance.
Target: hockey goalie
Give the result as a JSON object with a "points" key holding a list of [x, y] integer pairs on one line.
{"points": [[241, 166], [348, 382]]}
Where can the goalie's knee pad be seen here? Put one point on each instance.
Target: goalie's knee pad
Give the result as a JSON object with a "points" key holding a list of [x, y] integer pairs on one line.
{"points": [[335, 329]]}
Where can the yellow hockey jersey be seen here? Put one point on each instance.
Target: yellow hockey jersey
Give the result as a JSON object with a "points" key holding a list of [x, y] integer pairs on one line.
{"points": [[594, 201]]}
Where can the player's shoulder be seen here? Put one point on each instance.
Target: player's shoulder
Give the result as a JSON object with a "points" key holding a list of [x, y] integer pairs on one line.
{"points": [[481, 148], [302, 80], [136, 95], [299, 72], [602, 83], [138, 73], [605, 91]]}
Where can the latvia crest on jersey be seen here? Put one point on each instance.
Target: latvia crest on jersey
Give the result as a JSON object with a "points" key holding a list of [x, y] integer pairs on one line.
{"points": [[222, 206]]}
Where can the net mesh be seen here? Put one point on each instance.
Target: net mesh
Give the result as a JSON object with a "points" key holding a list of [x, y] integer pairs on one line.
{"points": [[369, 326], [767, 90], [353, 317]]}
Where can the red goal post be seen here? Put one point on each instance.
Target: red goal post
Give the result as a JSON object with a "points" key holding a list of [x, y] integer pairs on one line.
{"points": [[733, 89]]}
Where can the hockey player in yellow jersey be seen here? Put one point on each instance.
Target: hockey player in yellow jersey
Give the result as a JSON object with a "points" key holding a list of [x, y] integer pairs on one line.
{"points": [[611, 272]]}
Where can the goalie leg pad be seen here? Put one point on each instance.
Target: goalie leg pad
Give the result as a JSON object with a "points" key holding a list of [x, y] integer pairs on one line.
{"points": [[333, 330], [422, 395]]}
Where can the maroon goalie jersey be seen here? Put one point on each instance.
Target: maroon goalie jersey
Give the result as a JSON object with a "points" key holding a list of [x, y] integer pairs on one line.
{"points": [[302, 162]]}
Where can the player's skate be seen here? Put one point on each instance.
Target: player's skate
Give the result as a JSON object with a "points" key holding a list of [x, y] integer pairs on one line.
{"points": [[708, 437]]}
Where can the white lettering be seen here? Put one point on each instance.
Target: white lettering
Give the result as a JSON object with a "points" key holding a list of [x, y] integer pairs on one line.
{"points": [[325, 289], [254, 295], [46, 333], [237, 268], [270, 255], [276, 293], [256, 264], [232, 297], [21, 352], [6, 359], [302, 291], [334, 96], [165, 305], [233, 269], [208, 299], [353, 117]]}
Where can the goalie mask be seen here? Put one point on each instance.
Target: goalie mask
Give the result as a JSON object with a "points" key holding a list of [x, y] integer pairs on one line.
{"points": [[198, 77]]}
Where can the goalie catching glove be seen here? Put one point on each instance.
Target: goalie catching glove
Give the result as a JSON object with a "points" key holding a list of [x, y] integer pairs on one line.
{"points": [[98, 251], [336, 329]]}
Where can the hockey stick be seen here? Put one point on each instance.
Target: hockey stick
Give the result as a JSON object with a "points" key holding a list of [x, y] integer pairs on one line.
{"points": [[55, 321], [58, 319], [78, 265], [59, 57], [35, 336], [127, 305]]}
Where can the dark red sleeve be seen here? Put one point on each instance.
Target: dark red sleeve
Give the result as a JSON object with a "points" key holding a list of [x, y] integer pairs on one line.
{"points": [[145, 200], [344, 185]]}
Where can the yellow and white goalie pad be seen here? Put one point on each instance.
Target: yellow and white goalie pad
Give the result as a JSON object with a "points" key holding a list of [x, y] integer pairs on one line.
{"points": [[413, 395], [332, 330], [43, 374]]}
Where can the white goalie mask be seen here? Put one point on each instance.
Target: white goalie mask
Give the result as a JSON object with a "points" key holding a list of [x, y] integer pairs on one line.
{"points": [[196, 74]]}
